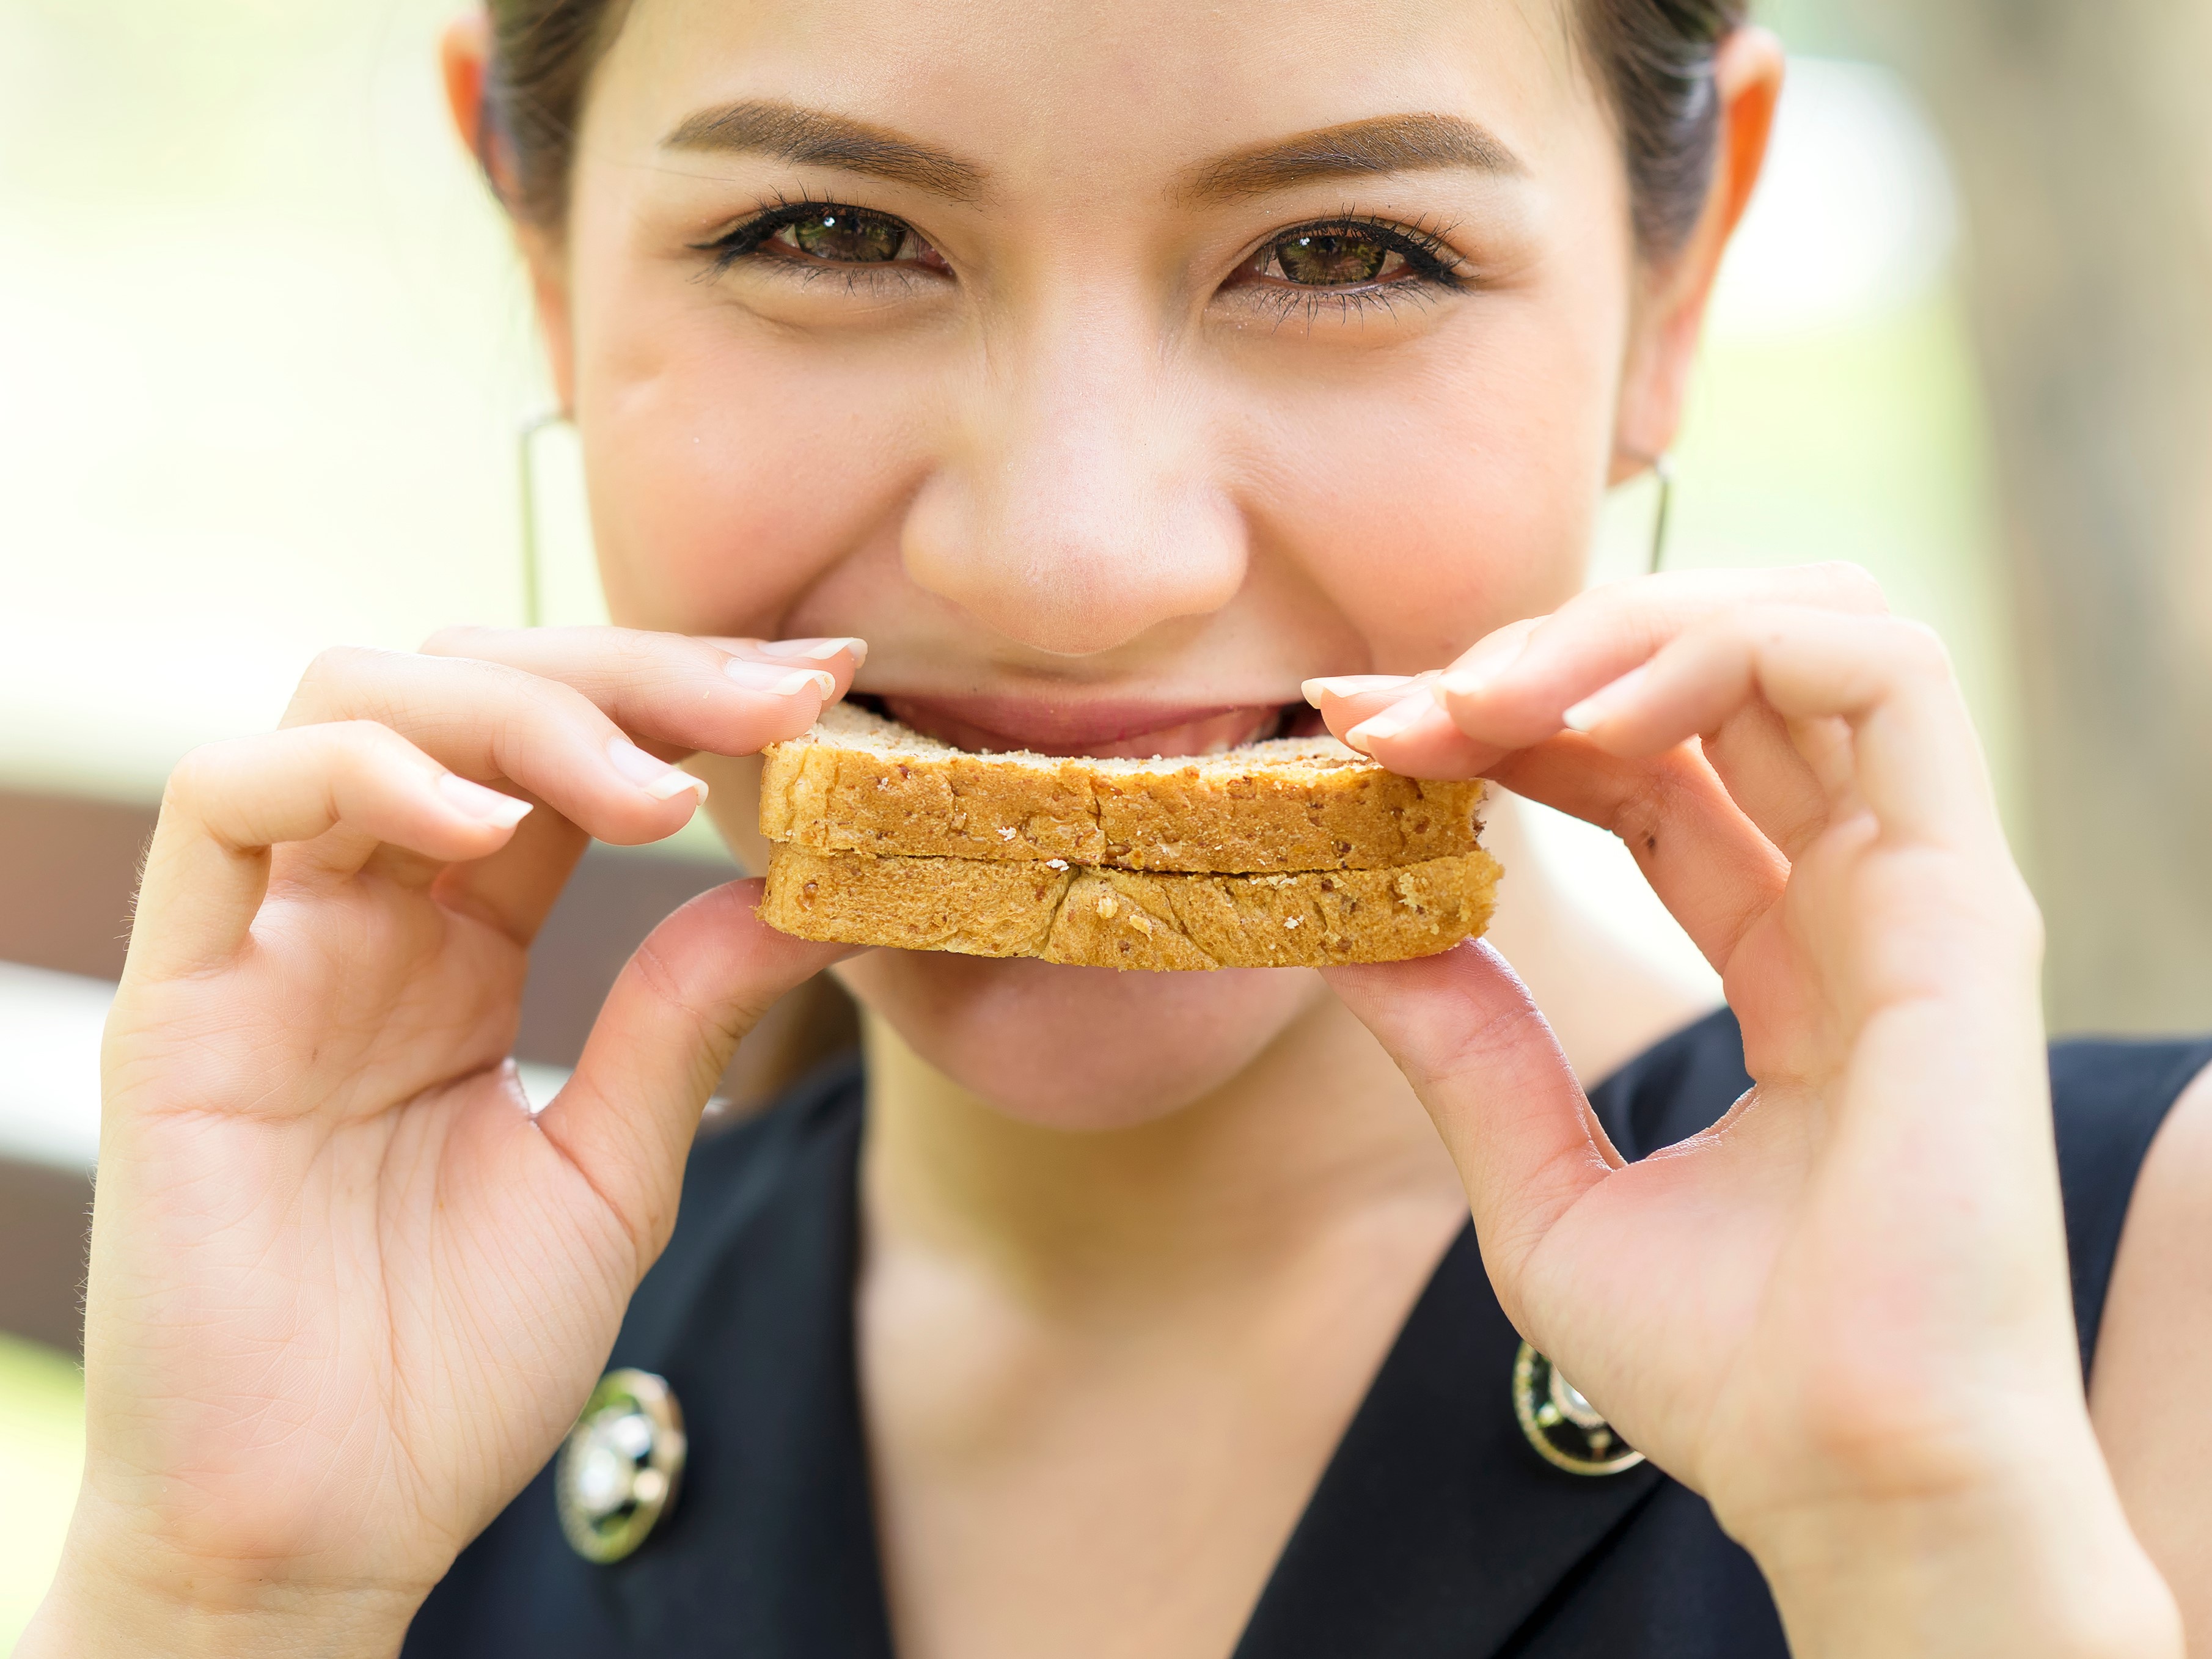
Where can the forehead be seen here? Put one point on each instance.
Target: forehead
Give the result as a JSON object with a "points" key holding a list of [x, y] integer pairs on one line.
{"points": [[1073, 89]]}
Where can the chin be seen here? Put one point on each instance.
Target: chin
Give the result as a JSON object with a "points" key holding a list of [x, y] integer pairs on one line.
{"points": [[1080, 1049]]}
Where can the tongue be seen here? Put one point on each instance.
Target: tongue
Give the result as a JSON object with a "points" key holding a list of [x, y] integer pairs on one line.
{"points": [[1101, 733]]}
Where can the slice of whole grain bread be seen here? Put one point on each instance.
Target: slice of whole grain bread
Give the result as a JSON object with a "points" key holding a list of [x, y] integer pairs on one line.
{"points": [[1087, 916], [861, 783]]}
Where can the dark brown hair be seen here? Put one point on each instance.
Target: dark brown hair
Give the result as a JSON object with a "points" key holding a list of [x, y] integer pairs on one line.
{"points": [[1655, 57]]}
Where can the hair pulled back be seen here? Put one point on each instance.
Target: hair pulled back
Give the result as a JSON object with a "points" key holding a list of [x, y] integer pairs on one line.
{"points": [[1655, 59]]}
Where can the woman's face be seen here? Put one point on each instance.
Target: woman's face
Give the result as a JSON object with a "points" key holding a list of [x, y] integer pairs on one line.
{"points": [[1111, 370]]}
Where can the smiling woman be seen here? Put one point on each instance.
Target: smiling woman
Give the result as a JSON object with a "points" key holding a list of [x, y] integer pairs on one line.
{"points": [[1118, 382]]}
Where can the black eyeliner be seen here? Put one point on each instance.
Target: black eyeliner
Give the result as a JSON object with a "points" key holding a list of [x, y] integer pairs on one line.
{"points": [[1425, 252], [748, 238]]}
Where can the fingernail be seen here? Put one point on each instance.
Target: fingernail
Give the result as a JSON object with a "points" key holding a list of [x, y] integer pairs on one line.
{"points": [[782, 682], [1466, 682], [1352, 685], [1594, 710], [816, 650], [657, 778], [1392, 722], [485, 805], [1476, 672]]}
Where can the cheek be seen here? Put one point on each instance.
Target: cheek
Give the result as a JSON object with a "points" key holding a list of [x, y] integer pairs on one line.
{"points": [[1438, 503], [1079, 1048], [727, 471]]}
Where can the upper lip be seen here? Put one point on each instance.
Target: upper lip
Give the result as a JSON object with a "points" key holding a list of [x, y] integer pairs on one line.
{"points": [[1073, 725]]}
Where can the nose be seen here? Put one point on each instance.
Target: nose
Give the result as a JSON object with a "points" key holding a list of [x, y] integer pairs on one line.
{"points": [[1077, 504]]}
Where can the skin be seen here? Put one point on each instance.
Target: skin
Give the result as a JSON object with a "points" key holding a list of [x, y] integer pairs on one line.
{"points": [[1094, 480]]}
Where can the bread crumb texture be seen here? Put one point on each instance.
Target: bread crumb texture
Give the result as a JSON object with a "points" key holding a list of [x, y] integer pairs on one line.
{"points": [[861, 783], [1090, 916]]}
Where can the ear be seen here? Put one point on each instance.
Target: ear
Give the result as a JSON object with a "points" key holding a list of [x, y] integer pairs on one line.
{"points": [[1671, 301], [465, 56]]}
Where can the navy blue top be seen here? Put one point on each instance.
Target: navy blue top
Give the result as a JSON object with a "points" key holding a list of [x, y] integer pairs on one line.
{"points": [[1436, 1532]]}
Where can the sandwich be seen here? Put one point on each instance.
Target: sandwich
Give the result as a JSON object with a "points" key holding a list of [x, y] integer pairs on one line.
{"points": [[1291, 852]]}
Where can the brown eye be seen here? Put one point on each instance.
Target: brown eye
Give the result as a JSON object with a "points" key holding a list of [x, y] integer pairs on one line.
{"points": [[1341, 258], [847, 236]]}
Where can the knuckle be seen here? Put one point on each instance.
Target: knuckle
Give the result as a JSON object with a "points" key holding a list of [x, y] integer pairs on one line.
{"points": [[462, 640], [362, 744], [1920, 649], [338, 665], [196, 776], [1853, 584]]}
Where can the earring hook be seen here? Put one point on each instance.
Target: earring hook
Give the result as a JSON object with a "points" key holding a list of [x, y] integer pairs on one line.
{"points": [[533, 601], [1663, 468]]}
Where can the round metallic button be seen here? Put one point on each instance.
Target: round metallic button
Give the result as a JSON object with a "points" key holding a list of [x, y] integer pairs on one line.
{"points": [[620, 1465], [1565, 1430]]}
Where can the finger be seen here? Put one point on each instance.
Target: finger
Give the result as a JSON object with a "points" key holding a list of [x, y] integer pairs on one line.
{"points": [[1349, 698], [1600, 635], [1768, 776], [229, 804], [1417, 737], [698, 984], [516, 889], [1463, 1030], [487, 721], [1398, 720], [1912, 758], [1710, 865], [674, 694]]}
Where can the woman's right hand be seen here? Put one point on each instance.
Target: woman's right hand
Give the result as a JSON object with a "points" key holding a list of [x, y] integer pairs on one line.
{"points": [[347, 1293]]}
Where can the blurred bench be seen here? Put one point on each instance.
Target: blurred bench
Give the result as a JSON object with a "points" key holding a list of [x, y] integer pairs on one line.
{"points": [[68, 868]]}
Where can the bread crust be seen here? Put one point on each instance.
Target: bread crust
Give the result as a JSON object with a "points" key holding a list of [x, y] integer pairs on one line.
{"points": [[1100, 917], [859, 783]]}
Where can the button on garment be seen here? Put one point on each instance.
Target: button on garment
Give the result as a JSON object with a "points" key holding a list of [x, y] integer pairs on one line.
{"points": [[1437, 1531]]}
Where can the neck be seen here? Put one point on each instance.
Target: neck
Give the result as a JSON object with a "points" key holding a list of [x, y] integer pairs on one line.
{"points": [[1320, 1130]]}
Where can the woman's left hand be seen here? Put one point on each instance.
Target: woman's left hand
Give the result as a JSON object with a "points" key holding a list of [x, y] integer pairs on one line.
{"points": [[1842, 1314]]}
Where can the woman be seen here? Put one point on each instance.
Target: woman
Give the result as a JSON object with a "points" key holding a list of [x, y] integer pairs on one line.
{"points": [[1113, 373]]}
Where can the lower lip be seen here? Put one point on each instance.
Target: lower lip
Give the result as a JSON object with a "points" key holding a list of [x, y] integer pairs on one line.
{"points": [[1100, 730]]}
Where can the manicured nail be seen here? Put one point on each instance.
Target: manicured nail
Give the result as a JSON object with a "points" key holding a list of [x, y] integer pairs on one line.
{"points": [[1595, 709], [1392, 722], [1492, 656], [1353, 685], [657, 778], [816, 650], [782, 682], [485, 805], [1466, 682]]}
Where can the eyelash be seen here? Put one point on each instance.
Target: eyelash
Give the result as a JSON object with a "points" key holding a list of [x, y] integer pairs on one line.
{"points": [[745, 240], [1433, 265], [1429, 257]]}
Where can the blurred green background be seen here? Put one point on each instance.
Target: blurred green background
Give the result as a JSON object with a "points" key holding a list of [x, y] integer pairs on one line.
{"points": [[264, 353]]}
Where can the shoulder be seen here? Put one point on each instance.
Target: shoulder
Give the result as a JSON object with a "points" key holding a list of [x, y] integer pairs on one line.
{"points": [[2154, 1370], [2111, 1103]]}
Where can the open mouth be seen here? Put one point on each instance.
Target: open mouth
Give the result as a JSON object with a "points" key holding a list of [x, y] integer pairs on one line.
{"points": [[1099, 728]]}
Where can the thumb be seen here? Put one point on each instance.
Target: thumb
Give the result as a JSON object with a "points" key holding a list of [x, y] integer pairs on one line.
{"points": [[698, 984], [1463, 1030]]}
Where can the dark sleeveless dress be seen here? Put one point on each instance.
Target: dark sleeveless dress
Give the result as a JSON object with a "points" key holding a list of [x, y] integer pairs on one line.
{"points": [[1436, 1532]]}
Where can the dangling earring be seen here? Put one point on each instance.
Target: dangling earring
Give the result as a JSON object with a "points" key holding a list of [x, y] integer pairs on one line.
{"points": [[1663, 468], [534, 606]]}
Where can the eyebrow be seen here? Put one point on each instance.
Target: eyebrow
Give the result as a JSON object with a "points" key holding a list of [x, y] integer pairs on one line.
{"points": [[817, 138], [1384, 144]]}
